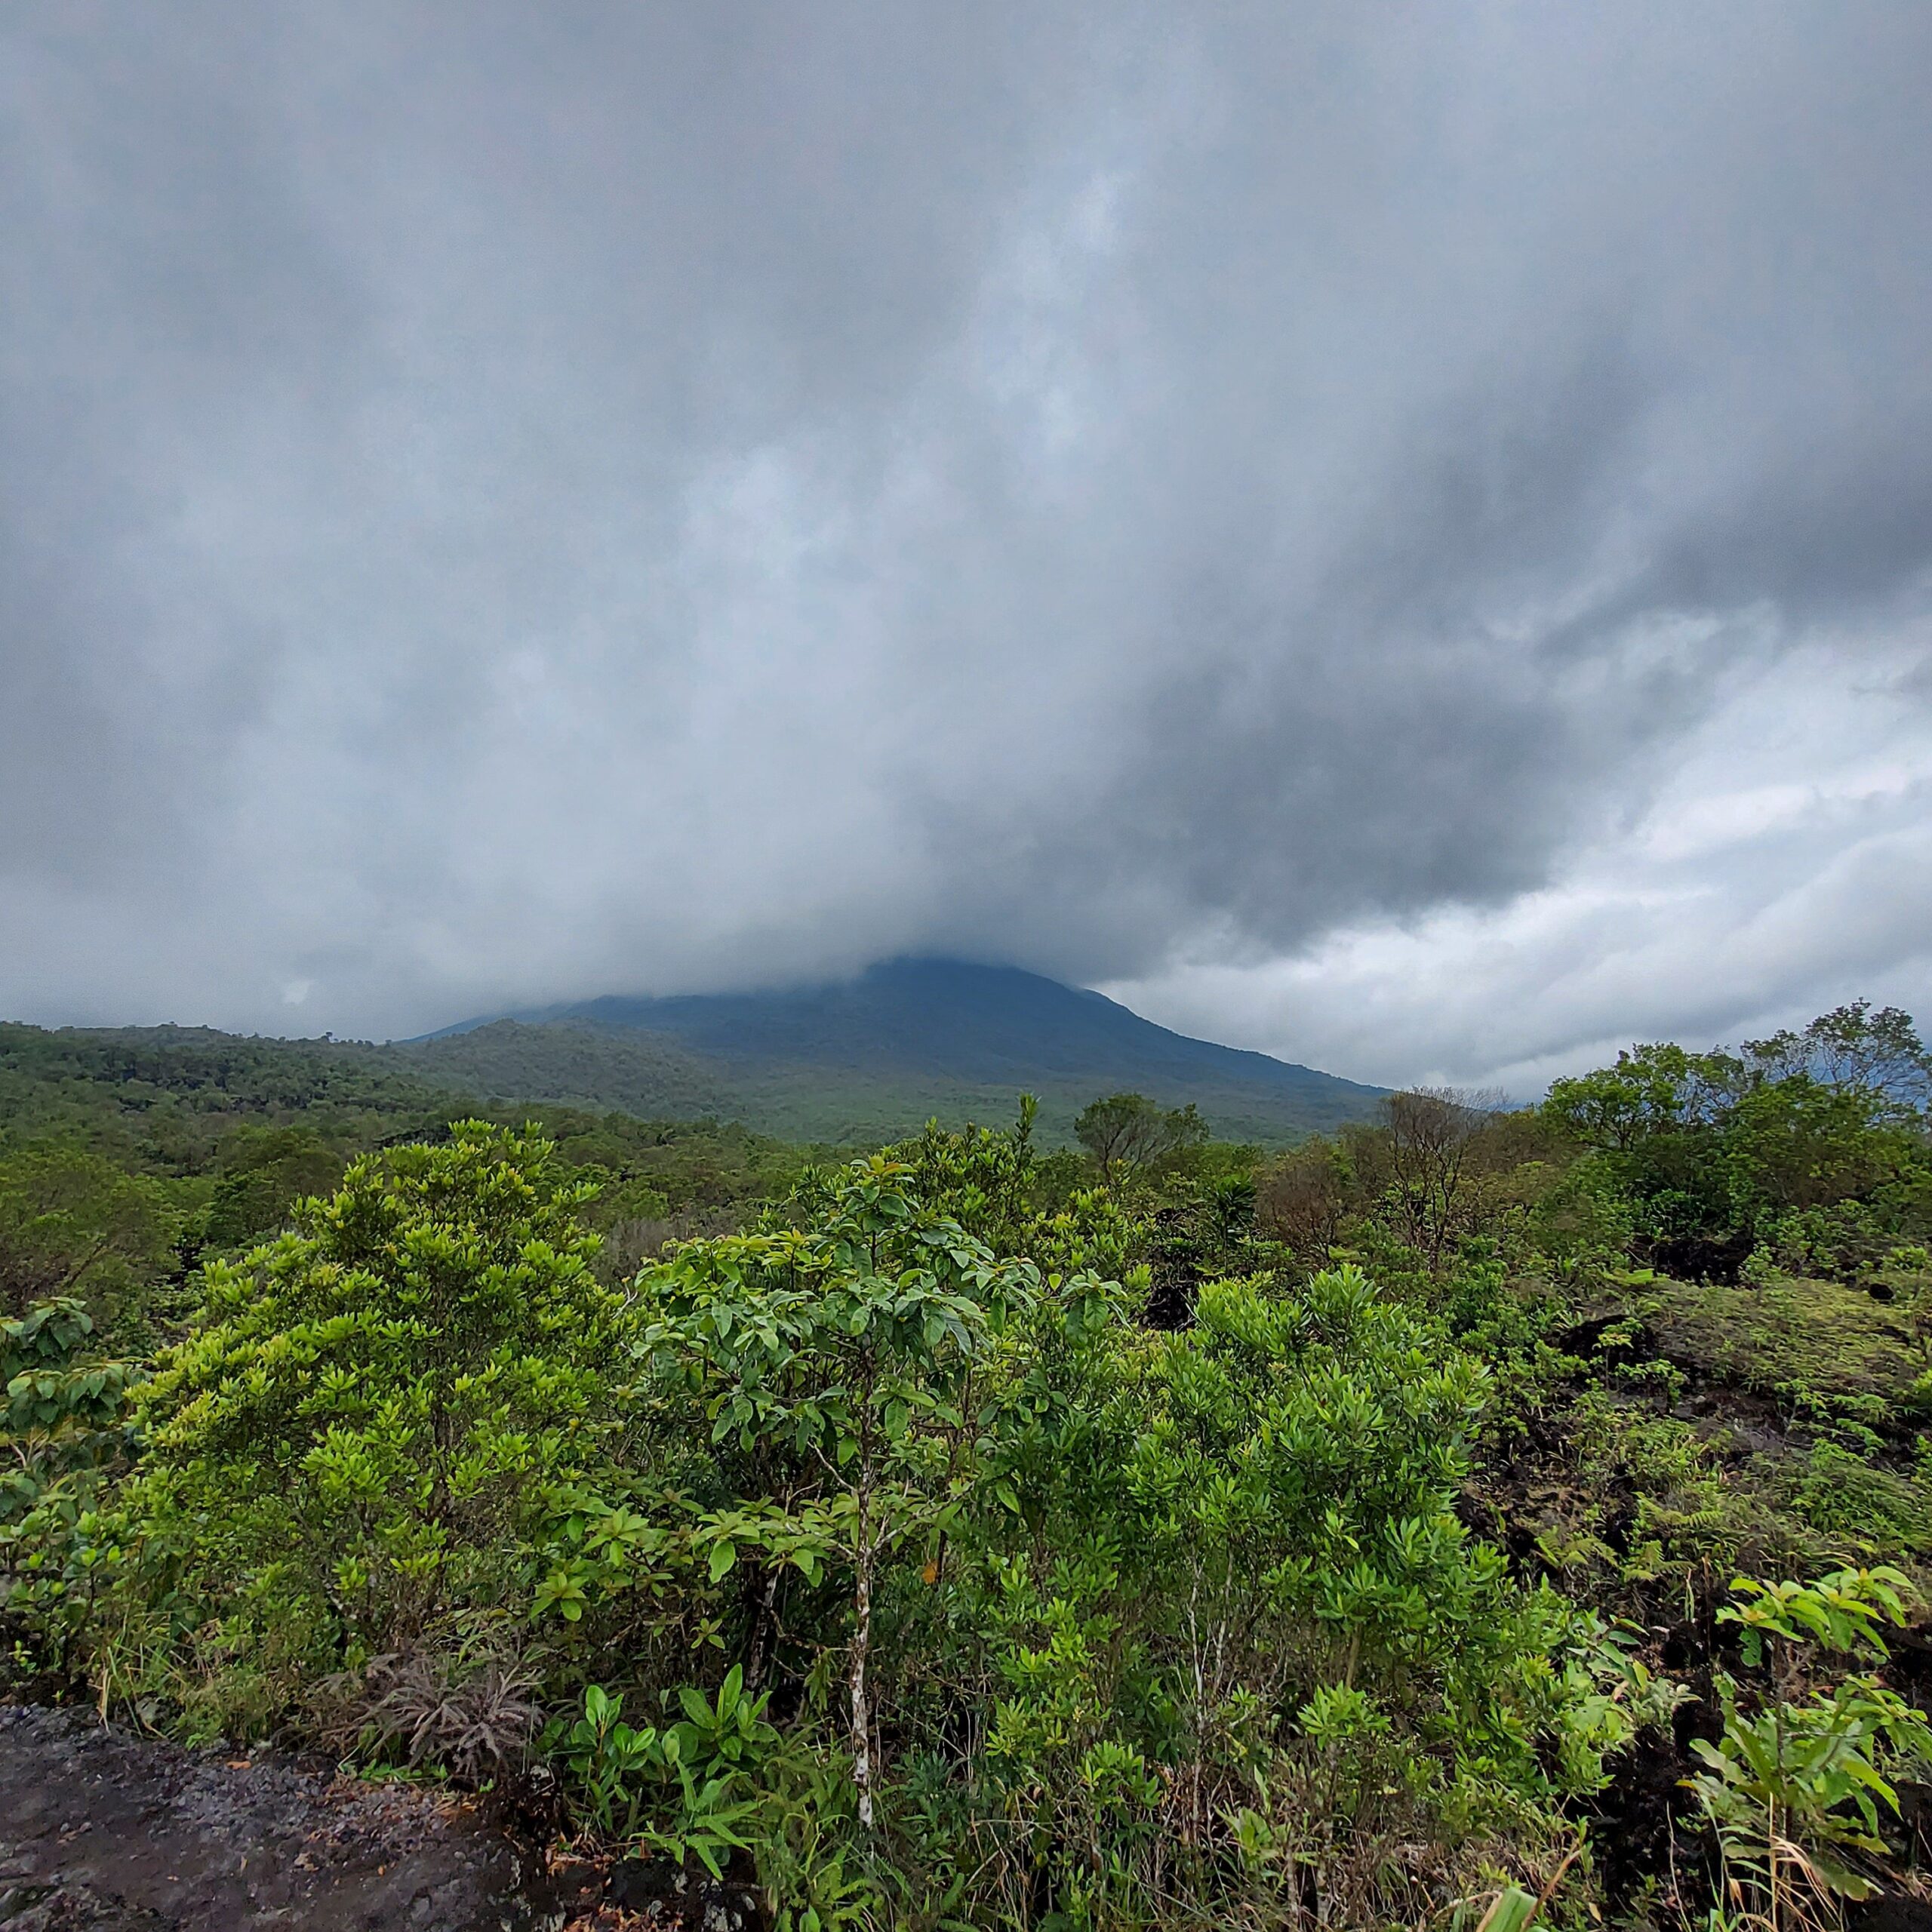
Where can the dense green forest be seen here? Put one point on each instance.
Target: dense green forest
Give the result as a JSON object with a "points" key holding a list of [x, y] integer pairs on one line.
{"points": [[1470, 1518], [127, 1158]]}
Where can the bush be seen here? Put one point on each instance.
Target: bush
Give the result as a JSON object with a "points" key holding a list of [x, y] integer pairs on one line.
{"points": [[360, 1438], [1799, 1789], [64, 1434], [1083, 1618], [1216, 1577]]}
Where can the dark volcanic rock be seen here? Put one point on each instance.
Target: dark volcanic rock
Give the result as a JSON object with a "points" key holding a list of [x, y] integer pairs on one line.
{"points": [[1895, 1912], [102, 1829]]}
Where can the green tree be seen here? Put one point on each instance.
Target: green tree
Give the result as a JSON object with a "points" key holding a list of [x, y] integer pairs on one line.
{"points": [[1653, 1094], [849, 1348], [262, 1173], [1797, 1143], [72, 1223], [1853, 1047], [1807, 1143], [361, 1433], [1129, 1136], [63, 1431]]}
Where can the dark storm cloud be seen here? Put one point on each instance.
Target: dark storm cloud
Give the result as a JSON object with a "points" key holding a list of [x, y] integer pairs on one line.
{"points": [[498, 502]]}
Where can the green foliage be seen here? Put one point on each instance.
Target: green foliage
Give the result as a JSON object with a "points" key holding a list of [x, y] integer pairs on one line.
{"points": [[161, 1100], [705, 1823], [63, 1433], [644, 1074], [1810, 1142], [261, 1173], [359, 1437], [1066, 1602], [987, 1546], [609, 1761], [1860, 1506], [834, 1367], [1683, 1518], [1854, 1048], [727, 1735], [56, 1402], [1845, 1612], [816, 1874], [1797, 1790], [221, 1137], [1515, 1910], [1220, 1568], [1133, 1139], [990, 1182], [679, 1792], [73, 1223]]}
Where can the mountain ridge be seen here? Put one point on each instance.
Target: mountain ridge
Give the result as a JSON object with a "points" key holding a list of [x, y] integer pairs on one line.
{"points": [[875, 1055]]}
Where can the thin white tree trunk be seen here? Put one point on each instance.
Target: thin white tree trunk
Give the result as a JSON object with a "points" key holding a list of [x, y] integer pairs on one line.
{"points": [[862, 1746]]}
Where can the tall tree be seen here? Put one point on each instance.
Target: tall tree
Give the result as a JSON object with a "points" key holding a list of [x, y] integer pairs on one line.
{"points": [[838, 1361], [1128, 1135]]}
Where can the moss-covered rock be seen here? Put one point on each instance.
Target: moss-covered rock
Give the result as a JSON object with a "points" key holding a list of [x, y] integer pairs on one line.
{"points": [[1792, 1338]]}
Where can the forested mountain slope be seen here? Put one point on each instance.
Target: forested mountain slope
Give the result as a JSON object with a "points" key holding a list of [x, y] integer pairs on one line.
{"points": [[877, 1055]]}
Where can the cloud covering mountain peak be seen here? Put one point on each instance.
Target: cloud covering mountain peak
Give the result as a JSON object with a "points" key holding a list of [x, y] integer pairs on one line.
{"points": [[498, 505]]}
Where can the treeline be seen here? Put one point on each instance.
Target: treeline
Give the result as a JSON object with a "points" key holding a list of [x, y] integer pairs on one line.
{"points": [[1805, 1152], [1476, 1518], [129, 1159]]}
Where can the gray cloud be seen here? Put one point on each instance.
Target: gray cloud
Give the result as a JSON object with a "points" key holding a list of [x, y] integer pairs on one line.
{"points": [[498, 503]]}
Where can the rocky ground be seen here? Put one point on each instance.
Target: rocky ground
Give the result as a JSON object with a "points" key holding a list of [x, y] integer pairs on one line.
{"points": [[106, 1830], [101, 1828]]}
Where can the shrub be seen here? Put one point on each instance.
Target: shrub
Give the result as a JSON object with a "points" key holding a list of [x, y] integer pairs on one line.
{"points": [[359, 1438], [834, 1367], [1798, 1788], [63, 1432], [1217, 1573]]}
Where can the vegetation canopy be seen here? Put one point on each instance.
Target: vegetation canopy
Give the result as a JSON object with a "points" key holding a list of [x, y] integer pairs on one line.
{"points": [[1478, 1517]]}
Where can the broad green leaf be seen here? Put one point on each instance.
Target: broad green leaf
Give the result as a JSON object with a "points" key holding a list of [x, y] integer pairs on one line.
{"points": [[1512, 1912]]}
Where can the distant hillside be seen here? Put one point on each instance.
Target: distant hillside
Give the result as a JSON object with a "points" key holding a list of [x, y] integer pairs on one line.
{"points": [[874, 1056], [162, 1097], [649, 1074]]}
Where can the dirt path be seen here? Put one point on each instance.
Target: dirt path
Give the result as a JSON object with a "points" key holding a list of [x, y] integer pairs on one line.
{"points": [[102, 1829]]}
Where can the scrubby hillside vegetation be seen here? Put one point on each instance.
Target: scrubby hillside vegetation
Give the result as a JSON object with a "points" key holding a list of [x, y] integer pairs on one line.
{"points": [[1473, 1518]]}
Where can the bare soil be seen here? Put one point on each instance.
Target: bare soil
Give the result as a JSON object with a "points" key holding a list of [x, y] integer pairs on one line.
{"points": [[101, 1828]]}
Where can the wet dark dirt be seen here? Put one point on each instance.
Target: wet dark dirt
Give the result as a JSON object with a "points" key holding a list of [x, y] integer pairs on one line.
{"points": [[104, 1829]]}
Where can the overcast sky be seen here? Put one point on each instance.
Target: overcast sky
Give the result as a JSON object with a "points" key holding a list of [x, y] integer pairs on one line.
{"points": [[1398, 536]]}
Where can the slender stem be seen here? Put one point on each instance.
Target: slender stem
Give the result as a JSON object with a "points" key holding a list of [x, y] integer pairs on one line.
{"points": [[861, 1751]]}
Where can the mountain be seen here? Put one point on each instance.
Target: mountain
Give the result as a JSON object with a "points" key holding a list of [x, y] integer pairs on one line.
{"points": [[871, 1057]]}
